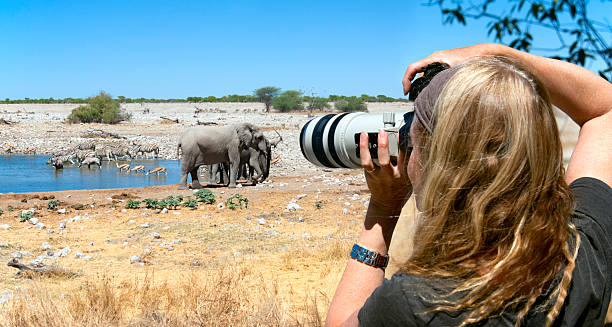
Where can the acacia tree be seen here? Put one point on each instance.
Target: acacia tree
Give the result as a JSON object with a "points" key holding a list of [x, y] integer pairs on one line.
{"points": [[580, 38], [266, 94]]}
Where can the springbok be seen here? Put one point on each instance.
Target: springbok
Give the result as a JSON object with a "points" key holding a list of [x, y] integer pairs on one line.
{"points": [[157, 171], [9, 148], [30, 150], [139, 168], [125, 166]]}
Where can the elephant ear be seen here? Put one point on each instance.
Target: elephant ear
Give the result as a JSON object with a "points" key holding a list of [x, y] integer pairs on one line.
{"points": [[245, 136]]}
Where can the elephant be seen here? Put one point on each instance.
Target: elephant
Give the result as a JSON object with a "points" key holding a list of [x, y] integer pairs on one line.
{"points": [[251, 160], [90, 161], [205, 145]]}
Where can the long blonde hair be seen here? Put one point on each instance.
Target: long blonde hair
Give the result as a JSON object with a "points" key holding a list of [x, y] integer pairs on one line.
{"points": [[495, 205]]}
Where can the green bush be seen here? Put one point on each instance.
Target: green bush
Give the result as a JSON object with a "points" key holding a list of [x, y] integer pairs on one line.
{"points": [[351, 104], [79, 206], [1, 212], [132, 204], [205, 196], [237, 201], [52, 204], [10, 209], [318, 205], [289, 101], [318, 104], [190, 203], [99, 109], [25, 216], [150, 203]]}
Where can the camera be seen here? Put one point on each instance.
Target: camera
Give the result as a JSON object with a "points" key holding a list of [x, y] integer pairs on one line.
{"points": [[333, 140]]}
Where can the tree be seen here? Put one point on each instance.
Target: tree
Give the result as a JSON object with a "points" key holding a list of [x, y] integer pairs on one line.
{"points": [[99, 109], [351, 104], [317, 103], [266, 94], [289, 101], [580, 38]]}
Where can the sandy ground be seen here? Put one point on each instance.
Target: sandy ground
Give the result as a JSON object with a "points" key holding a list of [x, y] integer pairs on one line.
{"points": [[303, 252]]}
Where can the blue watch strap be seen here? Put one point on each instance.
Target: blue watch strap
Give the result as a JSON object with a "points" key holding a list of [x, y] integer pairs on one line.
{"points": [[370, 258]]}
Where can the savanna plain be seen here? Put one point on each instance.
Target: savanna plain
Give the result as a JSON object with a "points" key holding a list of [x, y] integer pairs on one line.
{"points": [[273, 262]]}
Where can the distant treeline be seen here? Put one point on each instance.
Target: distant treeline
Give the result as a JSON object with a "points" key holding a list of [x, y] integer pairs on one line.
{"points": [[226, 98]]}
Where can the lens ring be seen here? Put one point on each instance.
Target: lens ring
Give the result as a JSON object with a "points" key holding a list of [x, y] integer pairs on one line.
{"points": [[317, 141]]}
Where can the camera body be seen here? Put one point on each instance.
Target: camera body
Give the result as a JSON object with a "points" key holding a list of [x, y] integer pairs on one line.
{"points": [[333, 140]]}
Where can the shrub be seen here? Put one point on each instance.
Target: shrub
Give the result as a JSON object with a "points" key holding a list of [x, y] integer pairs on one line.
{"points": [[25, 216], [288, 101], [318, 205], [79, 206], [52, 204], [10, 209], [266, 94], [205, 196], [132, 204], [318, 104], [351, 104], [190, 203], [150, 203], [1, 212], [99, 109], [237, 201]]}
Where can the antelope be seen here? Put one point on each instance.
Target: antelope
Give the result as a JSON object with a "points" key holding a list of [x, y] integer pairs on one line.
{"points": [[9, 148], [30, 150], [125, 166], [275, 160], [157, 171], [138, 168]]}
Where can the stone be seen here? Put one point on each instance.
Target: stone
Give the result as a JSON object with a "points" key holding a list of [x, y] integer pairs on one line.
{"points": [[45, 246], [306, 235], [32, 221], [292, 206], [347, 204], [261, 221], [271, 232], [74, 219], [4, 245], [195, 262], [170, 248], [145, 214], [135, 259], [62, 225], [64, 252], [5, 226], [5, 296], [17, 255], [300, 196], [40, 226], [176, 213], [61, 211], [145, 225], [301, 219], [164, 210], [345, 211], [81, 255], [131, 221], [51, 253], [221, 206], [123, 210], [146, 251], [155, 235], [50, 231]]}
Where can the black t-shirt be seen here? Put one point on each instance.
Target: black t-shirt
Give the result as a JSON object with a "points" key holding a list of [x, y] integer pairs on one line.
{"points": [[402, 300]]}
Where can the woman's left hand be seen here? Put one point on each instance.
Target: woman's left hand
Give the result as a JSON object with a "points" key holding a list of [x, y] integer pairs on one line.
{"points": [[389, 184]]}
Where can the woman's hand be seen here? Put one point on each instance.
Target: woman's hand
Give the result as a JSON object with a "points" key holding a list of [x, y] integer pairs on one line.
{"points": [[389, 185], [450, 57]]}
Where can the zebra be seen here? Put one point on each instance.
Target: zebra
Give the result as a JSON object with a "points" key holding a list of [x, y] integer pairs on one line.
{"points": [[58, 161], [101, 152], [82, 154], [120, 152], [87, 145], [146, 149]]}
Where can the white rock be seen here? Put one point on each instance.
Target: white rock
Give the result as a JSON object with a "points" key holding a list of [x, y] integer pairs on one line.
{"points": [[164, 210], [5, 226], [292, 206], [145, 225], [32, 221], [261, 221], [45, 246], [40, 226], [176, 213], [348, 204], [131, 221], [135, 258], [221, 206], [16, 255], [61, 211], [306, 235], [155, 235], [345, 211], [63, 252], [124, 210], [62, 225]]}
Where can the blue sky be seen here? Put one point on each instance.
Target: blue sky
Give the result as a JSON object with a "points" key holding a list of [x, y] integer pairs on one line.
{"points": [[176, 49]]}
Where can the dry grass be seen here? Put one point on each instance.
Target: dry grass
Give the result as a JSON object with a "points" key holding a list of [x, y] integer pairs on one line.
{"points": [[214, 297]]}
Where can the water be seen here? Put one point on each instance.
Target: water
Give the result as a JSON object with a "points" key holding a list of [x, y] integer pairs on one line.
{"points": [[21, 173]]}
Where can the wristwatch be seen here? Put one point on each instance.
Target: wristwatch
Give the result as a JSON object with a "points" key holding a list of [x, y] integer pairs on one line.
{"points": [[369, 257]]}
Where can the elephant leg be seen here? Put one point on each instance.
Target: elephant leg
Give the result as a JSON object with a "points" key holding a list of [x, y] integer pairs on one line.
{"points": [[233, 173], [212, 170], [224, 174], [195, 183], [185, 169]]}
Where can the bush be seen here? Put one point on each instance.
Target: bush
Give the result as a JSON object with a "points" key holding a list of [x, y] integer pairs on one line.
{"points": [[150, 203], [1, 212], [318, 205], [318, 104], [190, 203], [52, 204], [237, 201], [99, 109], [132, 204], [289, 101], [351, 104], [205, 196], [79, 206], [10, 208], [25, 216]]}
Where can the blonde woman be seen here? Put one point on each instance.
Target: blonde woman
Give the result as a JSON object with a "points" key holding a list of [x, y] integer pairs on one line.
{"points": [[506, 236]]}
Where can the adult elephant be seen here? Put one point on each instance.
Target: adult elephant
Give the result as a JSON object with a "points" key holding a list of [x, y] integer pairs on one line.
{"points": [[251, 161], [205, 145]]}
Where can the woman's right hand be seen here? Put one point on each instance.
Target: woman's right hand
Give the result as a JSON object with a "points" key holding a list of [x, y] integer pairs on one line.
{"points": [[450, 57]]}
